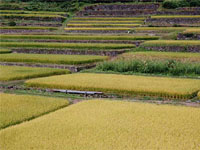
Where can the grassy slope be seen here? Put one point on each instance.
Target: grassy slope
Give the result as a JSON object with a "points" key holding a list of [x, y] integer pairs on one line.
{"points": [[18, 108], [108, 125]]}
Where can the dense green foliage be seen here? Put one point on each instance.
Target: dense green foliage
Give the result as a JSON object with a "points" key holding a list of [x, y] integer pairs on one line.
{"points": [[166, 67], [171, 4]]}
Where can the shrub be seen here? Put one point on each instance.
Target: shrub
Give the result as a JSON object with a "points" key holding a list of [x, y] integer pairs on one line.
{"points": [[12, 23], [170, 4], [195, 3], [166, 67]]}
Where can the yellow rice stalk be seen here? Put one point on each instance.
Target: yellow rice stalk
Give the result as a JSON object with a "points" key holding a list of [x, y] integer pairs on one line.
{"points": [[108, 125], [122, 84], [18, 108]]}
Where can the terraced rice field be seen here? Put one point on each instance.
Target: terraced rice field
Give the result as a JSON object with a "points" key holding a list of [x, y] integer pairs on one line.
{"points": [[51, 59], [79, 37], [18, 73], [122, 84], [123, 51], [3, 51], [81, 46], [151, 55], [103, 124], [19, 108]]}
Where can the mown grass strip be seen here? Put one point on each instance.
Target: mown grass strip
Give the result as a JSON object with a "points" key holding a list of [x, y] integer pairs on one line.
{"points": [[103, 25], [114, 18], [106, 124], [4, 51], [122, 84], [31, 12], [82, 46], [16, 109], [28, 28], [79, 37], [9, 73], [175, 16], [51, 59], [172, 43], [99, 29]]}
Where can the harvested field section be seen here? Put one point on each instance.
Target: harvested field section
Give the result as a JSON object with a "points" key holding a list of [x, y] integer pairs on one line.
{"points": [[81, 46], [122, 84], [108, 125], [18, 108], [18, 73], [51, 59]]}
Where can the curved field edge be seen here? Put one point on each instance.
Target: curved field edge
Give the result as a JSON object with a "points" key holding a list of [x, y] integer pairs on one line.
{"points": [[9, 73], [174, 88], [16, 109], [113, 125]]}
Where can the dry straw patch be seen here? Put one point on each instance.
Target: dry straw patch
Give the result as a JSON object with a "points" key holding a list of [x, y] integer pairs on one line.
{"points": [[122, 84], [108, 125], [18, 108]]}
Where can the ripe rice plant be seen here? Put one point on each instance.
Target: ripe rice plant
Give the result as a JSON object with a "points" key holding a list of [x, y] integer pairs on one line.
{"points": [[30, 15], [192, 31], [81, 46], [176, 16], [151, 55], [31, 12], [108, 125], [103, 25], [80, 37], [103, 29], [28, 28], [9, 73], [164, 29], [172, 43], [176, 88], [51, 59], [19, 108], [106, 19], [105, 22], [164, 67]]}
